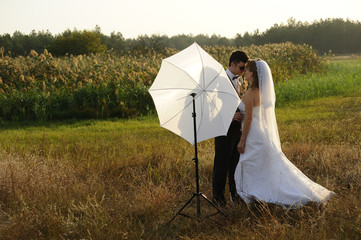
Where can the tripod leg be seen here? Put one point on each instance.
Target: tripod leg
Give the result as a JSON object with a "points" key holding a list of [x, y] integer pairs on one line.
{"points": [[213, 205], [180, 210]]}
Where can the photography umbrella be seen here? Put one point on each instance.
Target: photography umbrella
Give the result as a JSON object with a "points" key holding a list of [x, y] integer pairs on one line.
{"points": [[193, 84]]}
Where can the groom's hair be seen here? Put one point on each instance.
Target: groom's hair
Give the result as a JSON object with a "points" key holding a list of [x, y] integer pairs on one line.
{"points": [[238, 56]]}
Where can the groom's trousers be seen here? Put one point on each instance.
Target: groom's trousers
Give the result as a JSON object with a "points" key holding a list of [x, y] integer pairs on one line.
{"points": [[225, 162]]}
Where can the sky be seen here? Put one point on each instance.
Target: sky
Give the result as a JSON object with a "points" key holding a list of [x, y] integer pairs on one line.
{"points": [[133, 18]]}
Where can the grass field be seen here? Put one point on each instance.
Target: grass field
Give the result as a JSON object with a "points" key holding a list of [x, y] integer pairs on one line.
{"points": [[125, 179], [341, 77]]}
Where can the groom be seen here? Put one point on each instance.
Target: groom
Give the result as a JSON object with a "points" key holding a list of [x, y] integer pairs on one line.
{"points": [[226, 154]]}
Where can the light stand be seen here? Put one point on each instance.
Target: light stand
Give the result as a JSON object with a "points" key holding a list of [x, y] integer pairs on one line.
{"points": [[195, 159]]}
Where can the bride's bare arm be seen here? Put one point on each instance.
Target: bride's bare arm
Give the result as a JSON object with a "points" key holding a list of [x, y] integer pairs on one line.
{"points": [[248, 102]]}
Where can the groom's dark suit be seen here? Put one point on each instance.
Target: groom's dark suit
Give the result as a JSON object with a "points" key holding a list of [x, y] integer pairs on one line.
{"points": [[226, 160]]}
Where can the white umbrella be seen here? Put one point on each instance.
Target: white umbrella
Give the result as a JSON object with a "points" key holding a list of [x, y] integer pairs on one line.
{"points": [[193, 70]]}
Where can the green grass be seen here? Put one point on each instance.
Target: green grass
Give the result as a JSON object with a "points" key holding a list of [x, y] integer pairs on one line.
{"points": [[342, 77], [125, 179]]}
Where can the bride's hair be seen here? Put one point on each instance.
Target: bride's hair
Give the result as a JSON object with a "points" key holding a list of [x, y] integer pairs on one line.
{"points": [[252, 67]]}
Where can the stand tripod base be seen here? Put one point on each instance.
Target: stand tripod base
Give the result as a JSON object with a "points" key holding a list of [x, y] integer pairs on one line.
{"points": [[198, 195]]}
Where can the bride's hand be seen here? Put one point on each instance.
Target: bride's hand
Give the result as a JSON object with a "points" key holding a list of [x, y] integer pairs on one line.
{"points": [[240, 147], [238, 116]]}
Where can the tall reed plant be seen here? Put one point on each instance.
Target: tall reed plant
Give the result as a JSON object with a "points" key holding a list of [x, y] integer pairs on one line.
{"points": [[43, 87]]}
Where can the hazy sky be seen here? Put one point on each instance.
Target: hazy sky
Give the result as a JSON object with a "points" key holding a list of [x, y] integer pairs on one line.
{"points": [[138, 17]]}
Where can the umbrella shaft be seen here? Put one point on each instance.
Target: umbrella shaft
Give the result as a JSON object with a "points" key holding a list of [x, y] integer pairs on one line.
{"points": [[195, 141], [196, 154]]}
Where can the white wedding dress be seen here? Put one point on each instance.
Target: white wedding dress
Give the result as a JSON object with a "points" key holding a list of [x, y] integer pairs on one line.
{"points": [[263, 172]]}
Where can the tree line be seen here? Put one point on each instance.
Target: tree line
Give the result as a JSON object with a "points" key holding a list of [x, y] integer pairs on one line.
{"points": [[336, 35]]}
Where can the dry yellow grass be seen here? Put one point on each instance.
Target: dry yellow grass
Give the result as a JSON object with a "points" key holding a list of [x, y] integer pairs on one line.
{"points": [[125, 179]]}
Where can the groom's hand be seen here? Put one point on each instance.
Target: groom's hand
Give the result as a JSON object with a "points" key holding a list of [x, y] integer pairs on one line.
{"points": [[238, 117]]}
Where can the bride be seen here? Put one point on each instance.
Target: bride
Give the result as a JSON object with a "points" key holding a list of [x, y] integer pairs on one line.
{"points": [[263, 172]]}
